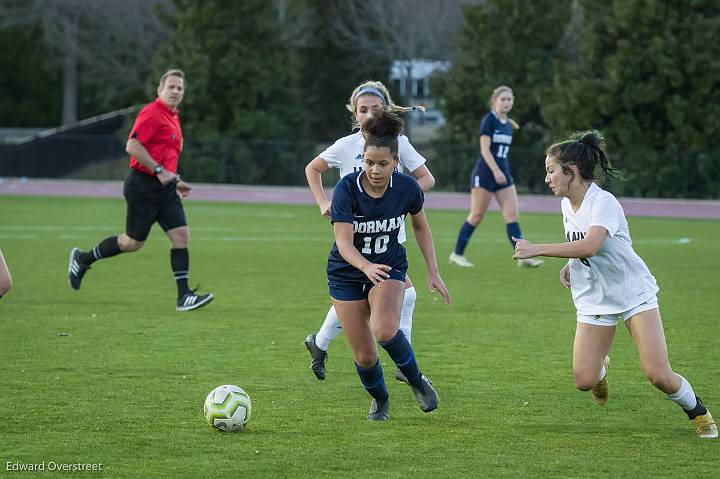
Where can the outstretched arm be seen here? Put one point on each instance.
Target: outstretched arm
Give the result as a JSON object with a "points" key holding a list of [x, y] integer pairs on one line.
{"points": [[313, 173], [584, 248], [423, 236]]}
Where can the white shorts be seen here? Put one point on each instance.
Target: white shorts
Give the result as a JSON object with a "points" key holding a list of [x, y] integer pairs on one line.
{"points": [[612, 319]]}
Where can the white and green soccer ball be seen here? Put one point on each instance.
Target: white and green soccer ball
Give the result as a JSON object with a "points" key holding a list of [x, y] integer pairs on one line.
{"points": [[227, 408]]}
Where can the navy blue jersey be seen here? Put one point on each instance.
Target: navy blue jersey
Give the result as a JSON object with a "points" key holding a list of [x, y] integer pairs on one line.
{"points": [[500, 135], [376, 222]]}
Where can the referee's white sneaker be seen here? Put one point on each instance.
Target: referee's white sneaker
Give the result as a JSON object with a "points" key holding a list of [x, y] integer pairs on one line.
{"points": [[530, 262], [460, 260], [190, 301]]}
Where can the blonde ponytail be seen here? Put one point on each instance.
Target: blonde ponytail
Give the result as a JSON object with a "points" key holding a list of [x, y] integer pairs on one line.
{"points": [[376, 88]]}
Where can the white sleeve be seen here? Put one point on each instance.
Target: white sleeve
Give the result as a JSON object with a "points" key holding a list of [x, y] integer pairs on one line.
{"points": [[410, 159], [606, 212], [333, 154]]}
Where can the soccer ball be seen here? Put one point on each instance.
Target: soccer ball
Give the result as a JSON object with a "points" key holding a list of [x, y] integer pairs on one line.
{"points": [[227, 408]]}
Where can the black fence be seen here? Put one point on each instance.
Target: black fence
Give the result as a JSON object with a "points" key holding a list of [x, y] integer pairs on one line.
{"points": [[647, 173]]}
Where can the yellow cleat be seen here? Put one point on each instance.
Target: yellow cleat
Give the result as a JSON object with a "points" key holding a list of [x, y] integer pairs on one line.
{"points": [[601, 392], [705, 426]]}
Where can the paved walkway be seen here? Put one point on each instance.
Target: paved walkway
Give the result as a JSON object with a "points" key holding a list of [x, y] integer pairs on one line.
{"points": [[700, 209]]}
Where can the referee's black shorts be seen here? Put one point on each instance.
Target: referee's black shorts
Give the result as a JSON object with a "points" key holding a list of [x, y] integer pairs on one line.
{"points": [[149, 201]]}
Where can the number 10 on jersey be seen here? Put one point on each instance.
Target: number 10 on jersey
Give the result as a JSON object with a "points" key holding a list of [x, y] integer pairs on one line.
{"points": [[381, 244]]}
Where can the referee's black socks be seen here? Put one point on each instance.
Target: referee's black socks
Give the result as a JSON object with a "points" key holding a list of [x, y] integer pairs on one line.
{"points": [[105, 249], [180, 263]]}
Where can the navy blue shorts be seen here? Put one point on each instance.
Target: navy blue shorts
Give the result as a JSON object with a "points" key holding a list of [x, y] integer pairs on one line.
{"points": [[482, 176], [357, 290]]}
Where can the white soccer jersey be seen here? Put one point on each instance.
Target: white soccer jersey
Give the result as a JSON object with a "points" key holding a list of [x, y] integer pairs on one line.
{"points": [[616, 279], [346, 154]]}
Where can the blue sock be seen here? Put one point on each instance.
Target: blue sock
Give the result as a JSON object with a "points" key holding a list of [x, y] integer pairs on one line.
{"points": [[373, 381], [466, 231], [403, 356], [513, 229]]}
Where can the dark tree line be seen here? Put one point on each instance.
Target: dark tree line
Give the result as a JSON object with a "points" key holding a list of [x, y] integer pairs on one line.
{"points": [[268, 81], [645, 72]]}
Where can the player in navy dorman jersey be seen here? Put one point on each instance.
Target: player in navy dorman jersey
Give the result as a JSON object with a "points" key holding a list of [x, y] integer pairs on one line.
{"points": [[491, 177], [346, 154], [367, 265]]}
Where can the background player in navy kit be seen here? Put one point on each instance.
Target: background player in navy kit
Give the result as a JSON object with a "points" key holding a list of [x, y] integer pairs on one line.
{"points": [[152, 191], [608, 279], [367, 266], [5, 278], [346, 154], [491, 177]]}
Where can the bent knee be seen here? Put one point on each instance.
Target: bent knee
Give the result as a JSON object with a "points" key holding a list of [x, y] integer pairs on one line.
{"points": [[475, 218], [128, 244], [384, 332], [366, 359], [180, 238], [585, 380]]}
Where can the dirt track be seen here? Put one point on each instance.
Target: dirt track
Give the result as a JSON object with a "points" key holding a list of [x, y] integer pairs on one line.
{"points": [[702, 209]]}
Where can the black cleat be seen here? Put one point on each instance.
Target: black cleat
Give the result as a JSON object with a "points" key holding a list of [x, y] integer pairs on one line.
{"points": [[427, 398], [317, 357], [379, 410], [190, 300], [76, 269]]}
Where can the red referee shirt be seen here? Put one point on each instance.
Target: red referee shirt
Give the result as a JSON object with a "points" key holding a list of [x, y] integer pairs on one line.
{"points": [[157, 127]]}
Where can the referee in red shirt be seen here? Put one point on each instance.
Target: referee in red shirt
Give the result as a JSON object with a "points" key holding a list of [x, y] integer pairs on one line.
{"points": [[153, 191]]}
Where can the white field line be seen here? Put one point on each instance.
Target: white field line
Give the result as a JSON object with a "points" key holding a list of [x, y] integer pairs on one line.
{"points": [[30, 232]]}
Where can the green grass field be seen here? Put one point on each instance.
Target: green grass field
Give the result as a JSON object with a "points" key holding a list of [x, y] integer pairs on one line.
{"points": [[112, 374]]}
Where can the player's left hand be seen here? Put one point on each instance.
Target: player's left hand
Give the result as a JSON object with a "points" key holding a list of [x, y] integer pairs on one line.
{"points": [[435, 282], [183, 189], [524, 249]]}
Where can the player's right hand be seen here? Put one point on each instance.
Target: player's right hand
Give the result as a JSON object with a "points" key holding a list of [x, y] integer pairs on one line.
{"points": [[376, 273], [565, 275], [500, 177]]}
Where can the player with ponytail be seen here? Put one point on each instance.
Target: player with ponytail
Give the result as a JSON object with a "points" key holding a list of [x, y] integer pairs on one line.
{"points": [[346, 154], [610, 283], [491, 177], [367, 265]]}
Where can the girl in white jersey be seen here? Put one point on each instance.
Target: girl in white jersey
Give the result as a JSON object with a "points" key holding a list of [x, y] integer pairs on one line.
{"points": [[608, 280], [346, 154]]}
